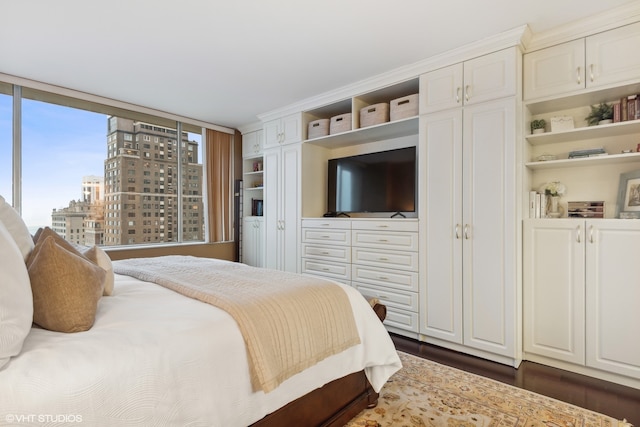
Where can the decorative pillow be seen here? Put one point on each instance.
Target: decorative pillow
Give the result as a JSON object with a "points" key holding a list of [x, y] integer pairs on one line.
{"points": [[16, 302], [66, 287], [92, 253], [17, 228]]}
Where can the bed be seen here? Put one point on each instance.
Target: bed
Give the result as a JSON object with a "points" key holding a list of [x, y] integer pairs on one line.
{"points": [[155, 357]]}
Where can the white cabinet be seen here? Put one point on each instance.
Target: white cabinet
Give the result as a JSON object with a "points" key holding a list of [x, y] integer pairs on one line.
{"points": [[252, 143], [282, 207], [554, 289], [581, 292], [253, 241], [282, 131], [470, 199], [478, 80], [385, 266], [326, 248], [595, 61]]}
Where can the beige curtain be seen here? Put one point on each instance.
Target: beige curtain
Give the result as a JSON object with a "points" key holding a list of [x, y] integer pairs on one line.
{"points": [[220, 186]]}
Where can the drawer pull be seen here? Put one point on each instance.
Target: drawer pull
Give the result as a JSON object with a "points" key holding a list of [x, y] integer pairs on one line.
{"points": [[383, 278], [383, 226], [382, 240], [326, 237], [325, 269], [383, 259], [325, 253]]}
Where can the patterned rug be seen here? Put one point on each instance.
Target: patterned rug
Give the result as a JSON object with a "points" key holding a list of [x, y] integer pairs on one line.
{"points": [[425, 393]]}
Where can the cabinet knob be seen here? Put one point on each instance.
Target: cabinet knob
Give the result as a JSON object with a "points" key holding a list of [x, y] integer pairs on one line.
{"points": [[466, 231], [457, 231], [466, 93], [591, 234], [591, 72], [578, 231], [578, 76], [458, 95]]}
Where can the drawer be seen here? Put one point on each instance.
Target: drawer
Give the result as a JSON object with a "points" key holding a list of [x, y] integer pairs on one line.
{"points": [[385, 259], [332, 236], [333, 223], [402, 319], [385, 225], [390, 298], [333, 279], [327, 253], [405, 241], [334, 270], [402, 280]]}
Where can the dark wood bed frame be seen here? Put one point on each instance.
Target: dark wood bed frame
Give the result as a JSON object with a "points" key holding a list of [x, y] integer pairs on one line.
{"points": [[331, 405]]}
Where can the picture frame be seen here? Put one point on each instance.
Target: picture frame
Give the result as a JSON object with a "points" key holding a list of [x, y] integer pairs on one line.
{"points": [[628, 205]]}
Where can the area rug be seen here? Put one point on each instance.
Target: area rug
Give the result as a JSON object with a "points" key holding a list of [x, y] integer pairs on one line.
{"points": [[425, 393]]}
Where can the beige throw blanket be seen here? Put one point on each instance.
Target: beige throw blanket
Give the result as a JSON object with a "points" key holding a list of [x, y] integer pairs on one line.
{"points": [[289, 322]]}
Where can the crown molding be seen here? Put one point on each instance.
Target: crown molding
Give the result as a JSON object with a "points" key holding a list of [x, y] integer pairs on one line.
{"points": [[250, 127], [510, 38], [617, 17]]}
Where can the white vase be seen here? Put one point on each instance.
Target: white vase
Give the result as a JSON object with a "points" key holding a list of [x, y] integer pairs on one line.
{"points": [[605, 122]]}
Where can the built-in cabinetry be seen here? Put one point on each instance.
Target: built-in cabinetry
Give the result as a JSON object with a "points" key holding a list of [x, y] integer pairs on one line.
{"points": [[595, 61], [379, 257], [282, 175], [468, 188], [282, 131], [555, 87], [252, 196], [253, 247], [580, 295]]}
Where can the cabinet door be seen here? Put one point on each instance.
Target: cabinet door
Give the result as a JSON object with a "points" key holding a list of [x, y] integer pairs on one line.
{"points": [[489, 227], [253, 242], [272, 221], [291, 128], [290, 205], [612, 56], [612, 295], [554, 70], [441, 89], [553, 298], [441, 294], [271, 131], [490, 77], [249, 144]]}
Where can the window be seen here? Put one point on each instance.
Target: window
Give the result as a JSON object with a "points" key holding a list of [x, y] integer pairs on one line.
{"points": [[63, 145]]}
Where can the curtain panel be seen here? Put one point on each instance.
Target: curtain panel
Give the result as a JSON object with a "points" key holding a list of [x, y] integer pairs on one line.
{"points": [[219, 154]]}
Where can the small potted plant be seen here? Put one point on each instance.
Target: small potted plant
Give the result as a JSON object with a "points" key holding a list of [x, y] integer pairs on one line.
{"points": [[537, 126], [600, 114]]}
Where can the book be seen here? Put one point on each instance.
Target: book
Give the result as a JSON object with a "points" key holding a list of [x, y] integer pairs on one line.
{"points": [[587, 153], [532, 204], [623, 109], [631, 107], [616, 112]]}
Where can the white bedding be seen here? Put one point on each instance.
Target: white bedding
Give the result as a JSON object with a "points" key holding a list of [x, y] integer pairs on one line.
{"points": [[154, 357]]}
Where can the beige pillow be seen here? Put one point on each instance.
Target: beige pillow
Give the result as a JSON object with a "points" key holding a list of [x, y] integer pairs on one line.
{"points": [[92, 253], [16, 227], [66, 287]]}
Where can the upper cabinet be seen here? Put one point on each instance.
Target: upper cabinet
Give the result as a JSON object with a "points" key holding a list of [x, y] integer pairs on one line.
{"points": [[478, 80], [282, 131], [252, 143], [596, 61]]}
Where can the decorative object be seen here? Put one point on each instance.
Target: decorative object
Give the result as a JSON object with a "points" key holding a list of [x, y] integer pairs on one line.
{"points": [[600, 114], [561, 123], [404, 107], [318, 128], [374, 114], [426, 393], [628, 195], [553, 190], [546, 157], [585, 209], [537, 126], [340, 123]]}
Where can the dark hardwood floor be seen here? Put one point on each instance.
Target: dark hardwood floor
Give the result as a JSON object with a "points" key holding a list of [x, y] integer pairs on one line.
{"points": [[600, 396]]}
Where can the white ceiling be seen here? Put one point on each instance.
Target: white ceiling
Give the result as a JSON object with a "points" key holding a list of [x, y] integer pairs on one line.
{"points": [[225, 62]]}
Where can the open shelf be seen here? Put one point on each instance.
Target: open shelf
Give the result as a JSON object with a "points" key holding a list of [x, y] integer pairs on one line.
{"points": [[379, 132], [586, 161], [585, 133]]}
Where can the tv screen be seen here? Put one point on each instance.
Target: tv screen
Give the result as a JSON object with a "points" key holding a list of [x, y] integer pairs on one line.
{"points": [[378, 182]]}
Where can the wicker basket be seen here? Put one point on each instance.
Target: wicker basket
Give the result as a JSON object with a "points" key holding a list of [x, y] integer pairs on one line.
{"points": [[374, 114], [318, 128], [404, 107], [341, 123]]}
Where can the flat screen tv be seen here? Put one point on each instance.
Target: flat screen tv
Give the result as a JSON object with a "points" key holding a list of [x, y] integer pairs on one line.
{"points": [[377, 182]]}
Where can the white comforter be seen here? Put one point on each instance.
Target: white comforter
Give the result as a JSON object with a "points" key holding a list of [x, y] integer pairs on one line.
{"points": [[157, 358]]}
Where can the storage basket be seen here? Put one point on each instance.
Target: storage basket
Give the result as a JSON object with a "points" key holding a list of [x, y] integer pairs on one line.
{"points": [[341, 123], [318, 128], [404, 107], [374, 114]]}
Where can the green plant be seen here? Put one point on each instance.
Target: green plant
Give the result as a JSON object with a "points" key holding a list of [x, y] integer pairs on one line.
{"points": [[602, 111], [538, 124]]}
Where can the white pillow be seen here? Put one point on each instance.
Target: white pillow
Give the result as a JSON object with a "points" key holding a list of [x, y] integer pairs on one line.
{"points": [[16, 300], [17, 228]]}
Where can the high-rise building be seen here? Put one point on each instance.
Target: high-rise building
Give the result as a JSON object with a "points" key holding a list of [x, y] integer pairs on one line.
{"points": [[140, 184]]}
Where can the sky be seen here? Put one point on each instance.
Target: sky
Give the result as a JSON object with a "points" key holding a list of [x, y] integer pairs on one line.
{"points": [[60, 145]]}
